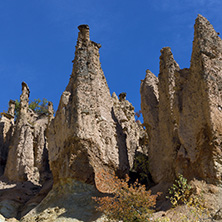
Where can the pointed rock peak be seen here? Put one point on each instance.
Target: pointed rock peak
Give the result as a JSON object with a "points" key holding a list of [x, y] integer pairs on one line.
{"points": [[150, 77], [114, 97], [166, 54], [203, 28], [206, 39], [201, 18], [167, 60], [149, 86]]}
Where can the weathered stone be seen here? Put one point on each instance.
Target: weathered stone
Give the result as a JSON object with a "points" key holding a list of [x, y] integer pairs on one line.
{"points": [[24, 104], [2, 219], [88, 133], [91, 131], [81, 137], [50, 111], [11, 109], [6, 132], [184, 125], [198, 102], [20, 162], [28, 155], [130, 132], [70, 200]]}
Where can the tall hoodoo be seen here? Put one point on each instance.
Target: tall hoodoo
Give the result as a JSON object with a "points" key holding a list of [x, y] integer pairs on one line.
{"points": [[85, 135], [27, 157], [83, 129], [20, 162], [11, 107], [92, 132], [189, 126], [50, 112], [24, 103]]}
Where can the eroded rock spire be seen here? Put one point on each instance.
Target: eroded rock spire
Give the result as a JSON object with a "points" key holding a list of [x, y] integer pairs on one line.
{"points": [[85, 134], [27, 157], [189, 126]]}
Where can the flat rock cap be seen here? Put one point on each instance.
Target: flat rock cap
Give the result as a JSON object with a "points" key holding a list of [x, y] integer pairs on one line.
{"points": [[84, 26]]}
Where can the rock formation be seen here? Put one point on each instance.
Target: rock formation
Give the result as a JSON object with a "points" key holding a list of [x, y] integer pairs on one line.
{"points": [[131, 133], [183, 113], [6, 132], [28, 156], [91, 132], [88, 132]]}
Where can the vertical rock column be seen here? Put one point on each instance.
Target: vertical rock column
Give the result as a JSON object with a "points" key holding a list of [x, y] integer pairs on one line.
{"points": [[41, 143], [157, 103], [50, 112], [189, 111], [20, 162], [200, 125], [150, 110], [130, 134], [82, 137], [6, 132], [168, 141]]}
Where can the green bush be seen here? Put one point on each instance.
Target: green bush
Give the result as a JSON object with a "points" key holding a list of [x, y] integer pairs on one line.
{"points": [[38, 106], [181, 194]]}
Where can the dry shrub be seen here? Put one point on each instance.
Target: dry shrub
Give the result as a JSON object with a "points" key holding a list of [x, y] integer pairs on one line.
{"points": [[127, 202]]}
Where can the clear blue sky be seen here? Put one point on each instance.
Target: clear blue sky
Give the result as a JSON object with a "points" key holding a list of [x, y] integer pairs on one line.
{"points": [[38, 38]]}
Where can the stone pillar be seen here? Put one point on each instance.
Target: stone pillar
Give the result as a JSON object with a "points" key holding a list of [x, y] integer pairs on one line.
{"points": [[50, 111], [24, 102], [20, 161], [84, 32], [83, 36], [11, 109], [6, 132]]}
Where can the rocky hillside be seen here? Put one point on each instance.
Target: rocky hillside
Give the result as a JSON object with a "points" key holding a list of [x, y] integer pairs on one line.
{"points": [[50, 165]]}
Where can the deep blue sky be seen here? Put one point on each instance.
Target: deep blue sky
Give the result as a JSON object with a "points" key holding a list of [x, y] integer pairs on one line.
{"points": [[38, 37]]}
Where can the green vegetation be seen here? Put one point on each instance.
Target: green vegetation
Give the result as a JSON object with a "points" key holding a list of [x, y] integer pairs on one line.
{"points": [[181, 194], [133, 203], [38, 106]]}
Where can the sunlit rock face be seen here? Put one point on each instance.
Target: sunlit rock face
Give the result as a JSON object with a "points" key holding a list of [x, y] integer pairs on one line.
{"points": [[182, 111], [27, 158], [91, 130]]}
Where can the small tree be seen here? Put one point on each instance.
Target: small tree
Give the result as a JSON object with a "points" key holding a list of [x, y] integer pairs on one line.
{"points": [[129, 203], [17, 108], [38, 106]]}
